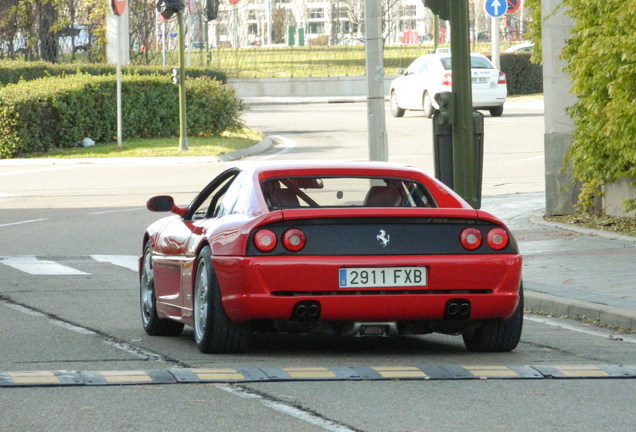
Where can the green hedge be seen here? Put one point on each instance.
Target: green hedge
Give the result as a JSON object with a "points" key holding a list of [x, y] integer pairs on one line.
{"points": [[59, 112], [523, 76], [11, 72], [601, 63]]}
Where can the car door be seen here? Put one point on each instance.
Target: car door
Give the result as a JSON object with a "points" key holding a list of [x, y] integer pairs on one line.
{"points": [[408, 84], [173, 254]]}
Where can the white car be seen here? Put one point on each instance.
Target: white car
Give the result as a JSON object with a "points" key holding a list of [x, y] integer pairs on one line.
{"points": [[431, 74], [526, 46]]}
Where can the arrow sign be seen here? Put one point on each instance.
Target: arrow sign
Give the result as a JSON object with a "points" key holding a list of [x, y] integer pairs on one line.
{"points": [[495, 8]]}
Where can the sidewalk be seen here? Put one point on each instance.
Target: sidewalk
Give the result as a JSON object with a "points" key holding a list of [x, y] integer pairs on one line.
{"points": [[570, 270]]}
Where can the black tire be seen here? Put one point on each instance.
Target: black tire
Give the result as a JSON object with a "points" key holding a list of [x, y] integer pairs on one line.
{"points": [[396, 111], [427, 105], [213, 330], [496, 112], [497, 335], [153, 325]]}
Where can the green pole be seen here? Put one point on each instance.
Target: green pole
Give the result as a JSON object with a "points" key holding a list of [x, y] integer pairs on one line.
{"points": [[183, 131], [464, 157], [435, 32]]}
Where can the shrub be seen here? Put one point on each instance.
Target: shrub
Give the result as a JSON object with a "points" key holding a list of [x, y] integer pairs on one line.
{"points": [[523, 76], [12, 72], [602, 64], [58, 112]]}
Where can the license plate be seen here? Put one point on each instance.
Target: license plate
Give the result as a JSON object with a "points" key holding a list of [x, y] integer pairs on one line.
{"points": [[480, 80], [370, 277]]}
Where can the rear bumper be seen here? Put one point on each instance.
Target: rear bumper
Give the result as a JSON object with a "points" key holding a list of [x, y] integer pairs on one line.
{"points": [[269, 287], [489, 97]]}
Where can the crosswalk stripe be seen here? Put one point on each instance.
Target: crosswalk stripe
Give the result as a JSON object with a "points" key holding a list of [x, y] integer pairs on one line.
{"points": [[34, 266], [131, 262]]}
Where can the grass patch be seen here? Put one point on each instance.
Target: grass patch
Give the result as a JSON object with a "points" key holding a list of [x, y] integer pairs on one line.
{"points": [[624, 225], [160, 147]]}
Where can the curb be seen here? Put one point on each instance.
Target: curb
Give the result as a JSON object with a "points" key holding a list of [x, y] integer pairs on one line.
{"points": [[272, 100], [538, 220], [264, 144], [238, 154], [578, 309]]}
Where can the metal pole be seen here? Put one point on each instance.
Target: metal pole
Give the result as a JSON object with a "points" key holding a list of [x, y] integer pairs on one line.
{"points": [[268, 16], [234, 29], [435, 31], [378, 146], [190, 23], [183, 130], [119, 126], [464, 160], [163, 43], [494, 41]]}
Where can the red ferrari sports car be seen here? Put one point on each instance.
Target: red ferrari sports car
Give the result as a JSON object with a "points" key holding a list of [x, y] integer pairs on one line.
{"points": [[350, 248]]}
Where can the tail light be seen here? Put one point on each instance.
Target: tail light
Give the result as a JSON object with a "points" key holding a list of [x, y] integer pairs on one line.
{"points": [[502, 78], [265, 240], [447, 79], [470, 238], [294, 240], [497, 238]]}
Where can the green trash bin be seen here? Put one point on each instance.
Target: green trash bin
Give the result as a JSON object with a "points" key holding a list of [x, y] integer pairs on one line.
{"points": [[443, 151]]}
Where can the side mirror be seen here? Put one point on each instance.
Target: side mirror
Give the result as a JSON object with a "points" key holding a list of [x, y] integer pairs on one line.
{"points": [[399, 72], [163, 203]]}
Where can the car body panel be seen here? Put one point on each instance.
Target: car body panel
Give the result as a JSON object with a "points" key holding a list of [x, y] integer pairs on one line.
{"points": [[425, 75], [256, 285]]}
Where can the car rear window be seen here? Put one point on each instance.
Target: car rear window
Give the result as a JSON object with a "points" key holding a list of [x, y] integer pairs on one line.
{"points": [[475, 63], [299, 192]]}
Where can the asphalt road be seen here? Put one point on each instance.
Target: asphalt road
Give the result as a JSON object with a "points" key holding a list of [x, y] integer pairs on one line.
{"points": [[89, 217]]}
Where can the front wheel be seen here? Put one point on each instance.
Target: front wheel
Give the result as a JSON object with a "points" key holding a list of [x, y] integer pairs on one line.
{"points": [[396, 111], [213, 330], [497, 335], [153, 325]]}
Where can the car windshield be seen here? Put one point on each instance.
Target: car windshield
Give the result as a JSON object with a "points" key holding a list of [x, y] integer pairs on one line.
{"points": [[300, 192], [475, 63]]}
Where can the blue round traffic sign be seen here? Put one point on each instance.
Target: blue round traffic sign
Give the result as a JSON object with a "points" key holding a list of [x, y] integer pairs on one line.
{"points": [[495, 8]]}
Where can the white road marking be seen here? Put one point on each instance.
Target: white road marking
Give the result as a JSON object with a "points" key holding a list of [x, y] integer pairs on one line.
{"points": [[34, 266], [37, 170], [130, 262], [116, 211], [289, 144], [288, 410], [563, 325], [23, 222]]}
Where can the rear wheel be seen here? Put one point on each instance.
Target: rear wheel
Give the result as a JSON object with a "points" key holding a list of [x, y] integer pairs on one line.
{"points": [[153, 325], [213, 330], [496, 112], [396, 111], [497, 335], [427, 105]]}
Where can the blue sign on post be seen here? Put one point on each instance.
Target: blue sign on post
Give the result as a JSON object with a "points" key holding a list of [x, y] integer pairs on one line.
{"points": [[495, 8]]}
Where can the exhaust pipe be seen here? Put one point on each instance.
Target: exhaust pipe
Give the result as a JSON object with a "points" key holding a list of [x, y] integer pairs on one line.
{"points": [[457, 309], [306, 310]]}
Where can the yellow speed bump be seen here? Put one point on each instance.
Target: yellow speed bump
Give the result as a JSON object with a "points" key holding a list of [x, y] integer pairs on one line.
{"points": [[218, 374], [492, 371], [34, 378], [117, 377], [309, 372], [399, 372], [581, 371]]}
